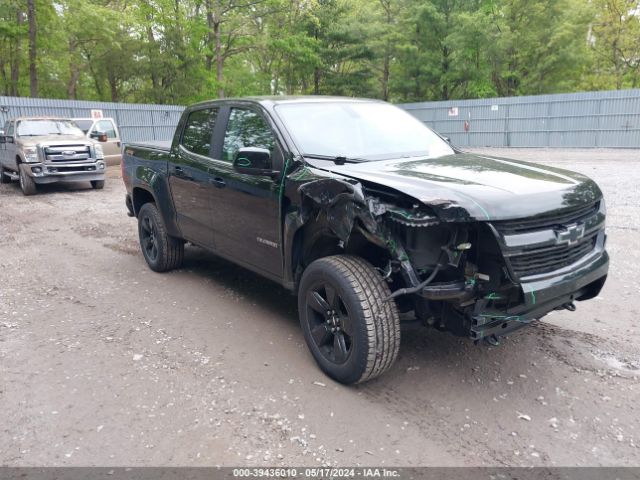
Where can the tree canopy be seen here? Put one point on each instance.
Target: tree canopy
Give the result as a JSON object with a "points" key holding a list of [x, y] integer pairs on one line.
{"points": [[182, 51]]}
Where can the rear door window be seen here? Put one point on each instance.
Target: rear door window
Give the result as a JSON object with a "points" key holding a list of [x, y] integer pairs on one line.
{"points": [[197, 133]]}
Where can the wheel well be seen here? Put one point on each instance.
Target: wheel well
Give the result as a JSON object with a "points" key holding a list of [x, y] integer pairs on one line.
{"points": [[140, 197], [316, 240]]}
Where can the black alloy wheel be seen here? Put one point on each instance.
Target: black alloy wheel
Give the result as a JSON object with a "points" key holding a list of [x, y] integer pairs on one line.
{"points": [[330, 324]]}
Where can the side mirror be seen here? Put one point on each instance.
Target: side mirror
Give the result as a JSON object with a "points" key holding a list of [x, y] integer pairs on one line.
{"points": [[100, 136], [254, 161]]}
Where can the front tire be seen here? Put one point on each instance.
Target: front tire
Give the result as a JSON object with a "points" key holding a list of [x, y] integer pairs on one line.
{"points": [[27, 185], [97, 184], [353, 334], [161, 251]]}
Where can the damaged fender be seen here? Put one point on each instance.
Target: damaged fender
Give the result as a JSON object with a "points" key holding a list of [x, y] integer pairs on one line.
{"points": [[346, 207]]}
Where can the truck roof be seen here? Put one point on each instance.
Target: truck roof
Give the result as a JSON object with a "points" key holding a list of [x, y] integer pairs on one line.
{"points": [[280, 99], [92, 119]]}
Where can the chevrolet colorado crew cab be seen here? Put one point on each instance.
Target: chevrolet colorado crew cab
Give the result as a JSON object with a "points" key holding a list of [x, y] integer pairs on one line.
{"points": [[46, 150], [368, 216]]}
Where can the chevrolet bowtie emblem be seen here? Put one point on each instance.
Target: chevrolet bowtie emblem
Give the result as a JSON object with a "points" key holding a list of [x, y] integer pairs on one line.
{"points": [[570, 235]]}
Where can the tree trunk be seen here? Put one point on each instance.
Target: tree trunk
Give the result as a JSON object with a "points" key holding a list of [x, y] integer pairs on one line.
{"points": [[33, 72], [94, 75], [385, 73], [113, 84], [387, 52], [316, 71], [210, 35], [445, 70], [152, 67], [15, 59], [5, 83], [74, 72], [219, 58], [72, 86]]}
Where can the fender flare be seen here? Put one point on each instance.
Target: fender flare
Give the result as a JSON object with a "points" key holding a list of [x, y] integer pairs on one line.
{"points": [[157, 191]]}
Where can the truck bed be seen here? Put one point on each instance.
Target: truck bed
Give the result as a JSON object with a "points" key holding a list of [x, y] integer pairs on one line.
{"points": [[161, 145]]}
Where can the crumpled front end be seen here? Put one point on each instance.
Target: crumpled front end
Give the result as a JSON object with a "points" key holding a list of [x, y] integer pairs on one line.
{"points": [[452, 271], [483, 279]]}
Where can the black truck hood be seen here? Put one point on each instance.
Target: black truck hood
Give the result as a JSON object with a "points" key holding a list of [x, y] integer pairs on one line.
{"points": [[465, 186]]}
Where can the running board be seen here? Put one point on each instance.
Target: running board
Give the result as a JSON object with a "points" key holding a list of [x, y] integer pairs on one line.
{"points": [[12, 176]]}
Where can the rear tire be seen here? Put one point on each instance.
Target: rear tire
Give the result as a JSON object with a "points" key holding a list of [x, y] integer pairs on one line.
{"points": [[161, 251], [97, 184], [27, 185], [353, 334]]}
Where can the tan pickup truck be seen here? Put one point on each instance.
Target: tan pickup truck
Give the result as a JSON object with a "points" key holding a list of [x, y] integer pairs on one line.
{"points": [[105, 131], [47, 150]]}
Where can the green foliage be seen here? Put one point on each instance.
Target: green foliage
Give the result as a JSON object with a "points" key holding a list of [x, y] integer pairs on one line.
{"points": [[170, 51]]}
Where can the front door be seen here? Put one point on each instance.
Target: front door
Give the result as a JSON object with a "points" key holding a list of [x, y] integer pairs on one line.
{"points": [[246, 208], [3, 145], [111, 147], [189, 177], [8, 153]]}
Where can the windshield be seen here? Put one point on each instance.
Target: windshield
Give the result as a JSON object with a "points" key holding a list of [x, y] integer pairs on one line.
{"points": [[359, 130], [84, 125], [33, 128]]}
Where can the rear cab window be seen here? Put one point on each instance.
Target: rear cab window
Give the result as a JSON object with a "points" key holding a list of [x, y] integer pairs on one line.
{"points": [[198, 131], [84, 125]]}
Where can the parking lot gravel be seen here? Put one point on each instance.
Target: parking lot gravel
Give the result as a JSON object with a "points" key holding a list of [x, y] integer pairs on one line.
{"points": [[104, 362]]}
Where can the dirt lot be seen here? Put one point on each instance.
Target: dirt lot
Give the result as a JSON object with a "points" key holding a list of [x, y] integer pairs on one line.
{"points": [[103, 362]]}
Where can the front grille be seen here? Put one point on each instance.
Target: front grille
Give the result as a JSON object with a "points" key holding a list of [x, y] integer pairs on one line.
{"points": [[67, 168], [67, 153], [548, 220], [548, 259], [526, 262]]}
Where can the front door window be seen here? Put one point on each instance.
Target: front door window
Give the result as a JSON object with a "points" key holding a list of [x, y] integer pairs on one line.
{"points": [[246, 129]]}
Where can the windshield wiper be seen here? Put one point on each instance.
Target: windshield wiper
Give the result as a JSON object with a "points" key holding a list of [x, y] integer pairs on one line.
{"points": [[337, 159]]}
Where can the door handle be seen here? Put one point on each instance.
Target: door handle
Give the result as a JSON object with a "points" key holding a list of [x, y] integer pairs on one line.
{"points": [[180, 173], [218, 182]]}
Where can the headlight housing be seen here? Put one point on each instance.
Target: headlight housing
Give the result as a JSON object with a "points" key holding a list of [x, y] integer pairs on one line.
{"points": [[99, 151], [30, 154]]}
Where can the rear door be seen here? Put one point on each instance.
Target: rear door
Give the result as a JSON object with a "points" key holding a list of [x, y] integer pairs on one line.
{"points": [[189, 177], [246, 208], [111, 147]]}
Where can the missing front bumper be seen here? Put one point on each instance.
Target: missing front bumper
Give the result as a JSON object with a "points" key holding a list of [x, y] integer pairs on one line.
{"points": [[541, 298]]}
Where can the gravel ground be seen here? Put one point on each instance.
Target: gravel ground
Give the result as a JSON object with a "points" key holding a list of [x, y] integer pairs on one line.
{"points": [[106, 363]]}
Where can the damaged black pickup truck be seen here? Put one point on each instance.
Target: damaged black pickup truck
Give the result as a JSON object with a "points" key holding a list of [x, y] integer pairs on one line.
{"points": [[369, 216]]}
